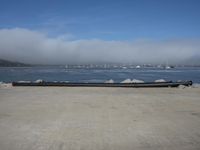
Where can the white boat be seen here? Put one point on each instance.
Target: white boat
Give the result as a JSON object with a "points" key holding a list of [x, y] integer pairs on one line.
{"points": [[167, 67], [138, 67]]}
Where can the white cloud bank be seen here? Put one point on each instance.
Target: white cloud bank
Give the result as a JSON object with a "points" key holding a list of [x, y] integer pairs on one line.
{"points": [[28, 46]]}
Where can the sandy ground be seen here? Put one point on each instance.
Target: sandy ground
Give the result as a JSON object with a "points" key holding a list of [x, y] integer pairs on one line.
{"points": [[64, 118]]}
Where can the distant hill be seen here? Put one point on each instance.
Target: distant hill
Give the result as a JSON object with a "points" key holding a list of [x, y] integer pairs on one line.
{"points": [[6, 63]]}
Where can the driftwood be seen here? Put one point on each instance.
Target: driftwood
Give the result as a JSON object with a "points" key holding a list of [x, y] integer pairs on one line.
{"points": [[127, 85]]}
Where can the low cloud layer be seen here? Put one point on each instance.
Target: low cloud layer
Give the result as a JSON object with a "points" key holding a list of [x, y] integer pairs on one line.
{"points": [[28, 46]]}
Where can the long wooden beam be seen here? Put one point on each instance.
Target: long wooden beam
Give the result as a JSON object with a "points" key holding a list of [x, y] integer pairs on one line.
{"points": [[127, 85]]}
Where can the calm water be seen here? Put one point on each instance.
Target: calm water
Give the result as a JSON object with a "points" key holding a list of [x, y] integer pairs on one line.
{"points": [[97, 75]]}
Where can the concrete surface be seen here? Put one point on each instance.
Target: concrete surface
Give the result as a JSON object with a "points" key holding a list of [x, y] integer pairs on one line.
{"points": [[61, 118]]}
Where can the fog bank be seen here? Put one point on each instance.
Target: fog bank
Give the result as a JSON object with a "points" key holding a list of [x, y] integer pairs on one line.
{"points": [[34, 47]]}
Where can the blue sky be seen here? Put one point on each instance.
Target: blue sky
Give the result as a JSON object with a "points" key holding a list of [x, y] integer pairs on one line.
{"points": [[105, 19], [90, 31]]}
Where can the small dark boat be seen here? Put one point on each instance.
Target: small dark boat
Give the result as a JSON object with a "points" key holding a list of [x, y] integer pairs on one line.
{"points": [[127, 85]]}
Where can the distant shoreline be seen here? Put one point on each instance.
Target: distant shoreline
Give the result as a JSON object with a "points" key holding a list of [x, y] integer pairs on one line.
{"points": [[8, 63]]}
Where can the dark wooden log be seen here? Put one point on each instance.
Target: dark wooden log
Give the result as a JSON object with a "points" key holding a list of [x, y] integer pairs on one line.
{"points": [[127, 85]]}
